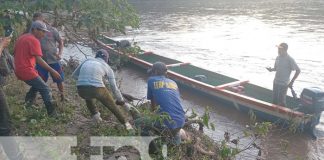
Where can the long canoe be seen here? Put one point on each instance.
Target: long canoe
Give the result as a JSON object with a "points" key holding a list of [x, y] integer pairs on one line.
{"points": [[241, 94]]}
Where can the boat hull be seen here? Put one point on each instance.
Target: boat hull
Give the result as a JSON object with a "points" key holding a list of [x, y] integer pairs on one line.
{"points": [[255, 100]]}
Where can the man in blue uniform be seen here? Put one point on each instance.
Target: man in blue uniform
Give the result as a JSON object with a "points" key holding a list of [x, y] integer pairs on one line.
{"points": [[163, 92], [165, 99]]}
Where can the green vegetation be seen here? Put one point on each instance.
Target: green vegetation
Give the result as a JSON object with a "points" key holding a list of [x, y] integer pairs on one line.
{"points": [[83, 20], [75, 120]]}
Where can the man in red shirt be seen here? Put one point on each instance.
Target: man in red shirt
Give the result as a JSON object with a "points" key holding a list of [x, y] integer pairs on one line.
{"points": [[27, 53]]}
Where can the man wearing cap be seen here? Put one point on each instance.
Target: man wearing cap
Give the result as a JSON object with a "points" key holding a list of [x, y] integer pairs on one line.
{"points": [[165, 99], [90, 85], [283, 66], [27, 52], [51, 53]]}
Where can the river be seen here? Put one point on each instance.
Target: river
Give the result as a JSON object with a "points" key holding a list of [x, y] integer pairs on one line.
{"points": [[238, 38]]}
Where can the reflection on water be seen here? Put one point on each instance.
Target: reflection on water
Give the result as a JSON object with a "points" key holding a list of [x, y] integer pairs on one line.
{"points": [[238, 38], [241, 34]]}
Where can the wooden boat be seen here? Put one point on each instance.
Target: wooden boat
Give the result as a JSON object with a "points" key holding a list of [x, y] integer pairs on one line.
{"points": [[241, 94]]}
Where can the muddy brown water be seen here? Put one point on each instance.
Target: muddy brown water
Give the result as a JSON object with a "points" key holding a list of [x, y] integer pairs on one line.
{"points": [[228, 119], [237, 38]]}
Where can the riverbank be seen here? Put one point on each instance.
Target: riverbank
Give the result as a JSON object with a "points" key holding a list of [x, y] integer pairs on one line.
{"points": [[74, 120]]}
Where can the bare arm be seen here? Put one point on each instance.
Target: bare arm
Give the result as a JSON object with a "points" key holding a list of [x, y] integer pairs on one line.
{"points": [[1, 48], [4, 43], [294, 78], [43, 64], [60, 42], [271, 69], [60, 47]]}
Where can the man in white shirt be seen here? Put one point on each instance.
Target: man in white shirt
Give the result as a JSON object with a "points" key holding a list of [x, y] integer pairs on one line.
{"points": [[90, 86]]}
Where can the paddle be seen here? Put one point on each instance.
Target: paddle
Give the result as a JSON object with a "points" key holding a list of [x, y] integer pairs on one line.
{"points": [[293, 93]]}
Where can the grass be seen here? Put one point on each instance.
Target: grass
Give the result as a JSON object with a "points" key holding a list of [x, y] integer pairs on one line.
{"points": [[74, 119]]}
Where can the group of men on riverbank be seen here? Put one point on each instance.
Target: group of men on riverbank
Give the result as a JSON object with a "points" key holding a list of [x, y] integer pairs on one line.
{"points": [[38, 46], [36, 54]]}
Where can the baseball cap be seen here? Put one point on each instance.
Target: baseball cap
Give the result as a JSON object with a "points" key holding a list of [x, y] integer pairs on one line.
{"points": [[102, 53], [39, 25], [159, 67], [283, 46]]}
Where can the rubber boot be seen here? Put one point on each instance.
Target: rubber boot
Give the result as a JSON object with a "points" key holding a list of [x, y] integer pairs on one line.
{"points": [[51, 109]]}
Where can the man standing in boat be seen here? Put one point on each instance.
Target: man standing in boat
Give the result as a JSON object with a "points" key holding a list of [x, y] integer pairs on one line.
{"points": [[283, 67]]}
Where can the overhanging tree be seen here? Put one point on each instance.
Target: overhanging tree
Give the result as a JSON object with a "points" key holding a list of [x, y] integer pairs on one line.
{"points": [[83, 20]]}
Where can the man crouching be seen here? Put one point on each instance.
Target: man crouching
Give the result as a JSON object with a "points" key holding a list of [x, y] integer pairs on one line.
{"points": [[163, 92]]}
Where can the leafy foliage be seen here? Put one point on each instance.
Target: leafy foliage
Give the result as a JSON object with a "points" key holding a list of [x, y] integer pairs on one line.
{"points": [[206, 118], [226, 152], [93, 16], [132, 50]]}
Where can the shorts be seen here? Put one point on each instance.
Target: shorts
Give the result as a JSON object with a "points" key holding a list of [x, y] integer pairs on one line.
{"points": [[44, 73]]}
